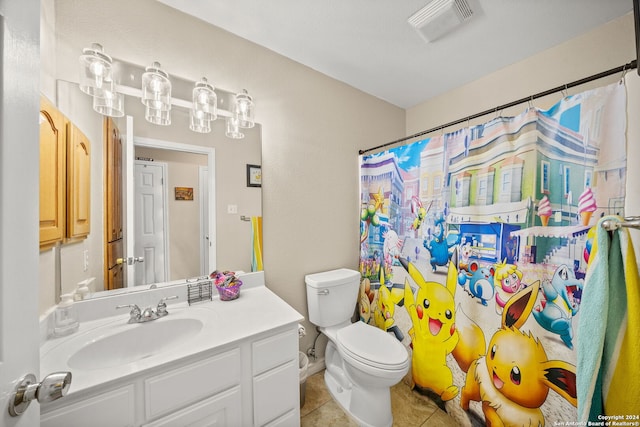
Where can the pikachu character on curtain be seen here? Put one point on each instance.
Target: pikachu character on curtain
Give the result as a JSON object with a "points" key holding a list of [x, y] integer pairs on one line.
{"points": [[434, 334]]}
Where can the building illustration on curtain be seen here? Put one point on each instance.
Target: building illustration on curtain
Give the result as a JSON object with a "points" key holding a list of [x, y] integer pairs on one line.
{"points": [[474, 246]]}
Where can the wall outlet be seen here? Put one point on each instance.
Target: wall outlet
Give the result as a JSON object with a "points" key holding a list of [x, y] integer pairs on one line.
{"points": [[85, 257], [232, 209]]}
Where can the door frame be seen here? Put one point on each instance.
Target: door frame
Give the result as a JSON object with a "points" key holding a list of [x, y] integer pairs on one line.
{"points": [[175, 146], [205, 242]]}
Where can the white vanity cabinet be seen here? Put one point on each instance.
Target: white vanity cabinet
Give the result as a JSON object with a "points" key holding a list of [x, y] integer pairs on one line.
{"points": [[254, 382], [239, 370], [275, 401]]}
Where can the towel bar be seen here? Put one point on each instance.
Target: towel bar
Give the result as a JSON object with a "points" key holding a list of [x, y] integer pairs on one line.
{"points": [[631, 222]]}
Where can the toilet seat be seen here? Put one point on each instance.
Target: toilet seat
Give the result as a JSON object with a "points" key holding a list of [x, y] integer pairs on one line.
{"points": [[372, 346]]}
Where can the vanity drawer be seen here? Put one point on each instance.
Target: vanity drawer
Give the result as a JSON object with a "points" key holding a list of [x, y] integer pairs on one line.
{"points": [[113, 408], [195, 382], [273, 351]]}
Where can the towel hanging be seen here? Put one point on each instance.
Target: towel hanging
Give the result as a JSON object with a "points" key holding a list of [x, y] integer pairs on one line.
{"points": [[608, 349]]}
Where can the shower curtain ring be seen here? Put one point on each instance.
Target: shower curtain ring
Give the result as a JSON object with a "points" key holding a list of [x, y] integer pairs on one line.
{"points": [[624, 73]]}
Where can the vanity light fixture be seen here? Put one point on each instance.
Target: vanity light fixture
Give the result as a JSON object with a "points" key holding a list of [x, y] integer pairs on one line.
{"points": [[95, 71], [244, 109], [205, 101], [156, 88], [233, 128], [157, 117], [99, 78], [198, 123], [110, 104]]}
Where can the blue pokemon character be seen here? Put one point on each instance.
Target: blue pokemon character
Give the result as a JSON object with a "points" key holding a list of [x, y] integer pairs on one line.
{"points": [[438, 245], [478, 281], [560, 307]]}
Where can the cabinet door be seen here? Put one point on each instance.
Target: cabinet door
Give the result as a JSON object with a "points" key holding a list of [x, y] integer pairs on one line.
{"points": [[52, 174], [114, 408], [195, 382], [223, 409], [78, 183], [275, 393]]}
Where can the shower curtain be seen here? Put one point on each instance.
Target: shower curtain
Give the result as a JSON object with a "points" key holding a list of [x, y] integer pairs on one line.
{"points": [[473, 250]]}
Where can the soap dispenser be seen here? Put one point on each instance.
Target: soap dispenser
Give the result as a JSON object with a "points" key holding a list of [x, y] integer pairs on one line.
{"points": [[66, 317]]}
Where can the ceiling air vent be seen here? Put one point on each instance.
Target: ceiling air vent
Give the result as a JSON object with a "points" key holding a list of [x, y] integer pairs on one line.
{"points": [[439, 17]]}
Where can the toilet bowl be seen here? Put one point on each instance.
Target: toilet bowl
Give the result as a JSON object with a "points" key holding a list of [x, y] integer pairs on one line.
{"points": [[362, 361]]}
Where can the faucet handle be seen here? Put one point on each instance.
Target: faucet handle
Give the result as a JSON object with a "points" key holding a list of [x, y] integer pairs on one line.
{"points": [[135, 313], [162, 306]]}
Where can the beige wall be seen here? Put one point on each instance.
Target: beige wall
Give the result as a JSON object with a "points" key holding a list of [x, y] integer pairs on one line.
{"points": [[312, 127]]}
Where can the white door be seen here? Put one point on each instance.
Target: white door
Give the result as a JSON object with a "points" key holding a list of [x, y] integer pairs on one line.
{"points": [[19, 201], [150, 222], [205, 241]]}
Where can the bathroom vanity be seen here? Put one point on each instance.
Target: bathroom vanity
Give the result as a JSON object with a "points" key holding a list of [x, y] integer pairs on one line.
{"points": [[217, 362]]}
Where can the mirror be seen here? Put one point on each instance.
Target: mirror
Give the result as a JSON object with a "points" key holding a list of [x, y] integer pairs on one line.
{"points": [[86, 259]]}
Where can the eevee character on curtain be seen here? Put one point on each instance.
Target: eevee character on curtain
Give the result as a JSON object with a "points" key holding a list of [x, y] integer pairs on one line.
{"points": [[513, 378], [434, 333]]}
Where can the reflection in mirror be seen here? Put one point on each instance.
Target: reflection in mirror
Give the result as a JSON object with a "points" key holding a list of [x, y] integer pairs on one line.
{"points": [[171, 215], [85, 260]]}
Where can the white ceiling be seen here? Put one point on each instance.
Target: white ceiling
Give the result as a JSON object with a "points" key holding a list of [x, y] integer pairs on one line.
{"points": [[369, 45]]}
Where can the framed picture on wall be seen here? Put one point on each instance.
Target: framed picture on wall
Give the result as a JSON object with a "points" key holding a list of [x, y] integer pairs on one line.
{"points": [[184, 193], [254, 176]]}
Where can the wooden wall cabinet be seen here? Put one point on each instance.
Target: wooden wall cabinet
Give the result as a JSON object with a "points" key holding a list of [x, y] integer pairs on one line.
{"points": [[78, 183], [65, 174], [53, 140]]}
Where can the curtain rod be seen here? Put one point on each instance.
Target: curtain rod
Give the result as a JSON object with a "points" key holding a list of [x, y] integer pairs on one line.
{"points": [[621, 69]]}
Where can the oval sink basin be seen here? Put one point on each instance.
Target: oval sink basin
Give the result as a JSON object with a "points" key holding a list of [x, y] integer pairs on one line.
{"points": [[138, 341]]}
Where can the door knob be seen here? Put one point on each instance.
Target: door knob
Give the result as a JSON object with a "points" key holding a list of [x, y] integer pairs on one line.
{"points": [[134, 259], [52, 387]]}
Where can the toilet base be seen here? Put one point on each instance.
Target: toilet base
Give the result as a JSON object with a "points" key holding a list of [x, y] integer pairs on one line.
{"points": [[369, 407]]}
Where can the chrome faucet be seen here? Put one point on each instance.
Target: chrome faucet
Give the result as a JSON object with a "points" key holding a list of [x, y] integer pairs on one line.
{"points": [[135, 315], [149, 313], [161, 310]]}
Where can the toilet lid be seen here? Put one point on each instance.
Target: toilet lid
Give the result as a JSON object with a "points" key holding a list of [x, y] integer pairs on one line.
{"points": [[372, 346]]}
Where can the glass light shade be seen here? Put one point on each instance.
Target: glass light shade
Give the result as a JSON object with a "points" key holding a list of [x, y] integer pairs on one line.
{"points": [[156, 88], [95, 71], [198, 123], [205, 100], [158, 117], [111, 104], [244, 110], [233, 130]]}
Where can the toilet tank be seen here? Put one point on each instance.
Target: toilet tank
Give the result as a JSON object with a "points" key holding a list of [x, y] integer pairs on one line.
{"points": [[332, 296]]}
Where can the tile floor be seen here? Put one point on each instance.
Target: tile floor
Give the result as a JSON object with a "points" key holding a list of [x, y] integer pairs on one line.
{"points": [[409, 409]]}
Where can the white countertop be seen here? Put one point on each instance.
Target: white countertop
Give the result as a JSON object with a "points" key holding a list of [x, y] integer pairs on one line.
{"points": [[256, 311]]}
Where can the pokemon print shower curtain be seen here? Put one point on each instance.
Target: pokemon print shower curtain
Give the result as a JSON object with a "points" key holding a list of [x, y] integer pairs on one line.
{"points": [[473, 251]]}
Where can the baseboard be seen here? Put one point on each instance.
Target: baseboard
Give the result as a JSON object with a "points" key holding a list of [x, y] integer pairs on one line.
{"points": [[315, 366]]}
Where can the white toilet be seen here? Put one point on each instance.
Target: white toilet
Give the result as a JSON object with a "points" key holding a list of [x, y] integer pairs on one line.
{"points": [[362, 361]]}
